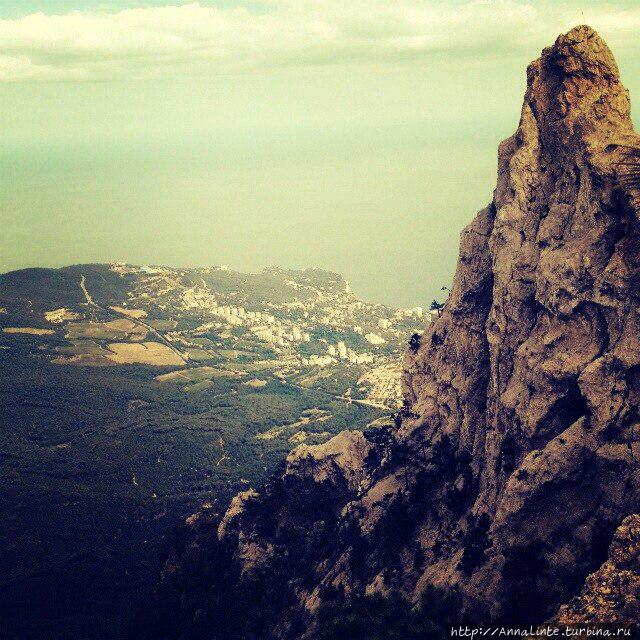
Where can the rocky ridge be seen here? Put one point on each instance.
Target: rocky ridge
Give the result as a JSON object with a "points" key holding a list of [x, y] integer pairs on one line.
{"points": [[516, 455]]}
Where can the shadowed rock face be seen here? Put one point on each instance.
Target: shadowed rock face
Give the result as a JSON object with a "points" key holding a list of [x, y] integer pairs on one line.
{"points": [[611, 594], [517, 455]]}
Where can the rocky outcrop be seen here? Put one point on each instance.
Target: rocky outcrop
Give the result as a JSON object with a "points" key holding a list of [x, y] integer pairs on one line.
{"points": [[611, 595], [516, 455]]}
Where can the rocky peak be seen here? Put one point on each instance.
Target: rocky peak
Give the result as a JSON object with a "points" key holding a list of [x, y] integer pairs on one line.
{"points": [[531, 368], [516, 455], [574, 89]]}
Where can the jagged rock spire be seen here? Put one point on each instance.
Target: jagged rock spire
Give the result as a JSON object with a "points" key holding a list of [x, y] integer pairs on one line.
{"points": [[518, 453]]}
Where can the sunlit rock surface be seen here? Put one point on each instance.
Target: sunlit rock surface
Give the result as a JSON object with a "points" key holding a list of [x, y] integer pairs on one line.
{"points": [[517, 454]]}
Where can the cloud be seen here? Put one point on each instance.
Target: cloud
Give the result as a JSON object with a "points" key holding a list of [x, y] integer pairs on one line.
{"points": [[190, 38]]}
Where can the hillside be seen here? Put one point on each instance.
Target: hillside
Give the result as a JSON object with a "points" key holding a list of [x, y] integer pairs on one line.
{"points": [[516, 457], [132, 395]]}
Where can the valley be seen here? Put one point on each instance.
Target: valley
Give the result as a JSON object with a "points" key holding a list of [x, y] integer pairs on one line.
{"points": [[131, 396]]}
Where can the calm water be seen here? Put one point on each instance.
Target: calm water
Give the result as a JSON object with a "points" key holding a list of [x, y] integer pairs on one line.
{"points": [[383, 210]]}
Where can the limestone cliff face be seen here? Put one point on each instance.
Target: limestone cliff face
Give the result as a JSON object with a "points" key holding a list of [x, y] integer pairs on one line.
{"points": [[517, 453], [533, 367], [611, 595]]}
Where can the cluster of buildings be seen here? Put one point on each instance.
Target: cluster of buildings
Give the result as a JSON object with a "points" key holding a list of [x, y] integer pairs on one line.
{"points": [[313, 318], [290, 322], [340, 351], [309, 319], [414, 312], [265, 326], [383, 383]]}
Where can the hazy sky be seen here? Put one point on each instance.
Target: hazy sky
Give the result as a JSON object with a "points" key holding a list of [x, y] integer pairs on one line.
{"points": [[355, 135]]}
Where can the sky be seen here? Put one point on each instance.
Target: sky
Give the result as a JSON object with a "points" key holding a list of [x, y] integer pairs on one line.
{"points": [[360, 136]]}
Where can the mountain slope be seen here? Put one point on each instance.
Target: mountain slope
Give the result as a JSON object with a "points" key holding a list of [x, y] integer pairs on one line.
{"points": [[129, 396], [517, 453]]}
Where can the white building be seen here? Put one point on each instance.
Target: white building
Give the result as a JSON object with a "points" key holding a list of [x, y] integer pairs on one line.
{"points": [[320, 361]]}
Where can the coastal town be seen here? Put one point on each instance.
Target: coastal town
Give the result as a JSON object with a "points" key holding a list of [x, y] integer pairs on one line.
{"points": [[201, 327], [148, 391], [289, 323]]}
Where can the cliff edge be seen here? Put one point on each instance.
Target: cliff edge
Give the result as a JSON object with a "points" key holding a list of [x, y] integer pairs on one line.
{"points": [[516, 455]]}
